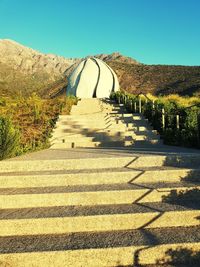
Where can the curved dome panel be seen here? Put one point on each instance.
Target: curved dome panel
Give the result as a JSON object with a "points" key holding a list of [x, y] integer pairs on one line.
{"points": [[105, 84], [92, 78], [74, 79], [88, 80]]}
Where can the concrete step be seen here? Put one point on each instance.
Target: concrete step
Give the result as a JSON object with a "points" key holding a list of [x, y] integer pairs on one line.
{"points": [[128, 255], [113, 176], [115, 197], [71, 138], [74, 143], [148, 137], [144, 161], [148, 143], [98, 223], [80, 141]]}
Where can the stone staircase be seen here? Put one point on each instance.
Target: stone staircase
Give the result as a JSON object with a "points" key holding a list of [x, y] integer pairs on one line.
{"points": [[102, 123], [98, 207], [96, 211]]}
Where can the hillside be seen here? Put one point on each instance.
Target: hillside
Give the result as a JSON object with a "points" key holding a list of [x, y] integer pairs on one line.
{"points": [[24, 71], [157, 79]]}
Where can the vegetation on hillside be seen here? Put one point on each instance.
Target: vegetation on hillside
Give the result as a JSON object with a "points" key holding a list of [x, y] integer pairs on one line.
{"points": [[28, 122], [157, 79], [14, 82], [176, 118]]}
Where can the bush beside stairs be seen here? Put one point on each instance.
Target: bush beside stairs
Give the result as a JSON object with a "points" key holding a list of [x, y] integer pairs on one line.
{"points": [[98, 207]]}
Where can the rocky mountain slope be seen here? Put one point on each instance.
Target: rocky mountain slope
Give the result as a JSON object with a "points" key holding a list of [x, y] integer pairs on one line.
{"points": [[24, 70], [117, 57], [157, 79], [30, 61]]}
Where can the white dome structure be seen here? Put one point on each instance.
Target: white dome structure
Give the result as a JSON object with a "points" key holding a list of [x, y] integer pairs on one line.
{"points": [[92, 78]]}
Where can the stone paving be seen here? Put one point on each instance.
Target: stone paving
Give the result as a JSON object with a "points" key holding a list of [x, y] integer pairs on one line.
{"points": [[98, 206]]}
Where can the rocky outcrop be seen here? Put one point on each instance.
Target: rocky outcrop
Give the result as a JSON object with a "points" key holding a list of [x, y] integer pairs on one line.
{"points": [[116, 56], [29, 61], [24, 70]]}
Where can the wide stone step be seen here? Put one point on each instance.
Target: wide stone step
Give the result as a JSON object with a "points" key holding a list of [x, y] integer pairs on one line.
{"points": [[91, 188], [90, 144], [175, 160], [111, 197], [114, 176], [147, 143], [148, 137], [64, 225], [72, 211], [96, 138], [95, 249]]}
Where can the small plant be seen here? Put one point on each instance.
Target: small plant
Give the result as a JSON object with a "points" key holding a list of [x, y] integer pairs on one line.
{"points": [[9, 138]]}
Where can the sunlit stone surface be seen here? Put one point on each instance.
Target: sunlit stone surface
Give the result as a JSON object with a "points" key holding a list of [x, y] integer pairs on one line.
{"points": [[92, 78]]}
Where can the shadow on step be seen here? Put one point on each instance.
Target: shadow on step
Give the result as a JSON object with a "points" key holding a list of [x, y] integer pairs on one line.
{"points": [[104, 137], [180, 257], [189, 197], [182, 161]]}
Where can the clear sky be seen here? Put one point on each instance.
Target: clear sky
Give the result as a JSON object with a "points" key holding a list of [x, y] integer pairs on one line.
{"points": [[151, 31]]}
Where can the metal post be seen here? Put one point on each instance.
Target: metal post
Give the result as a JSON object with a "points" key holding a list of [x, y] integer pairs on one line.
{"points": [[131, 105], [140, 105], [163, 119], [198, 129], [135, 106], [177, 122], [153, 113], [153, 105], [124, 100]]}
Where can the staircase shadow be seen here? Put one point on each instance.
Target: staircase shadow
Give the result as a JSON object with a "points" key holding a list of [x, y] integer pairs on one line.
{"points": [[189, 198], [99, 135], [181, 257]]}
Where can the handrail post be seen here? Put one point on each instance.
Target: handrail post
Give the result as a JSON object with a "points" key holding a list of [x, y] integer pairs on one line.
{"points": [[153, 113], [198, 129], [118, 99], [140, 105], [153, 106], [163, 119], [177, 121], [135, 106], [131, 105]]}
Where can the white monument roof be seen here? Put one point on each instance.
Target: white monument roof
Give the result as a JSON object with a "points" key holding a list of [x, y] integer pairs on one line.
{"points": [[92, 78]]}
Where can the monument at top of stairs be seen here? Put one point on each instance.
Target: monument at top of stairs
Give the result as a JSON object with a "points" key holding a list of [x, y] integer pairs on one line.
{"points": [[92, 78]]}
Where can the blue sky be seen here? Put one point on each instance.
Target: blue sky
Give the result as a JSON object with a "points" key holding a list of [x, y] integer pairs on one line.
{"points": [[151, 31]]}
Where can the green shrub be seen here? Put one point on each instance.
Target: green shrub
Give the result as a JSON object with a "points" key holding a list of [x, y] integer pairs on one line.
{"points": [[9, 138], [174, 107]]}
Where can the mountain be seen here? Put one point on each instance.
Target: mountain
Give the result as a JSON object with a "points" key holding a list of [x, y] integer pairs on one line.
{"points": [[157, 79], [117, 57], [24, 71]]}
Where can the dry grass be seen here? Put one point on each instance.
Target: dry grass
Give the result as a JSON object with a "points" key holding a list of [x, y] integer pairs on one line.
{"points": [[35, 118]]}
